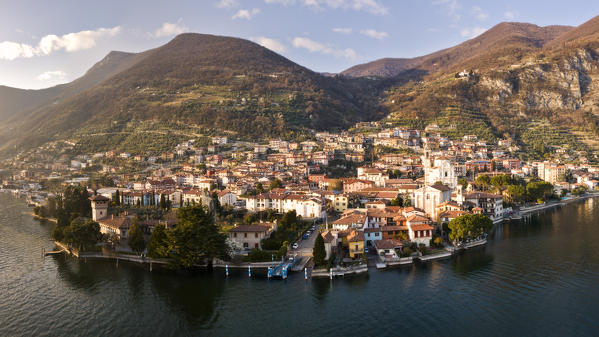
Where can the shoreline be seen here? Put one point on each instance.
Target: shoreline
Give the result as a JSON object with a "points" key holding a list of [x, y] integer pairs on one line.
{"points": [[322, 273]]}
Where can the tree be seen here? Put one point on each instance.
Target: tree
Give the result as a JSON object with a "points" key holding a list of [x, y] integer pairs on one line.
{"points": [[516, 193], [539, 190], [195, 238], [81, 233], [158, 242], [276, 183], [319, 251], [398, 201], [162, 201], [483, 181], [117, 198], [136, 238], [259, 188], [464, 183], [469, 226]]}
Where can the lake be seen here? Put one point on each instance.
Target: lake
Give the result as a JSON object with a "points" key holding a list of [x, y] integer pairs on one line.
{"points": [[536, 277]]}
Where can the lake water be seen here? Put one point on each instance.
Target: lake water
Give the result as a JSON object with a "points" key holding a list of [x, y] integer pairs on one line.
{"points": [[538, 277]]}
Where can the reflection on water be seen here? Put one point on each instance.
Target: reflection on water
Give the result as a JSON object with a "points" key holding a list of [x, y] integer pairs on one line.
{"points": [[537, 277]]}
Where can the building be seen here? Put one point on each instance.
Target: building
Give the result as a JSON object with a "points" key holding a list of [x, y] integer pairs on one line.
{"points": [[355, 243], [118, 226], [428, 198], [386, 249], [420, 230], [99, 205], [491, 204], [247, 237]]}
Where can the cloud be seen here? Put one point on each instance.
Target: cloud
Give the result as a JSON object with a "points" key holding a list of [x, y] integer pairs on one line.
{"points": [[374, 34], [281, 2], [342, 30], [472, 32], [479, 14], [271, 44], [170, 29], [370, 6], [246, 13], [227, 3], [50, 75], [71, 42], [451, 8], [510, 15], [317, 47]]}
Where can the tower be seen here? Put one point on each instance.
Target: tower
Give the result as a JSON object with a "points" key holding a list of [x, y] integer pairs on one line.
{"points": [[99, 207]]}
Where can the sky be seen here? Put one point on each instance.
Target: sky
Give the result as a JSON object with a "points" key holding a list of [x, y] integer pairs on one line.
{"points": [[44, 43]]}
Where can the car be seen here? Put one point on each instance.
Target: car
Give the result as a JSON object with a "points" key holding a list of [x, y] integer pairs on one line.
{"points": [[295, 245]]}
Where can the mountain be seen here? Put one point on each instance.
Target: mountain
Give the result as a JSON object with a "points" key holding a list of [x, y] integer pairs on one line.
{"points": [[538, 86], [15, 102], [213, 82], [502, 39]]}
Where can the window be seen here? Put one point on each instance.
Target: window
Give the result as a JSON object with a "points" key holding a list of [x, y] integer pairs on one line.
{"points": [[234, 235], [256, 234], [245, 235], [376, 234], [255, 245], [245, 245]]}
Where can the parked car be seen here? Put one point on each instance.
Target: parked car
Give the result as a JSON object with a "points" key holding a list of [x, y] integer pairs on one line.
{"points": [[295, 245]]}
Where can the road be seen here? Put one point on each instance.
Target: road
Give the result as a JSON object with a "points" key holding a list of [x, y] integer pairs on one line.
{"points": [[306, 246]]}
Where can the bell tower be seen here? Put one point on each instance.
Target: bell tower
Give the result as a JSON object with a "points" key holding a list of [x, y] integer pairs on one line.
{"points": [[99, 207]]}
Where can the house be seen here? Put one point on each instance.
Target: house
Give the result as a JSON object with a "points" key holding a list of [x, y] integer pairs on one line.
{"points": [[247, 237], [371, 235], [340, 203], [386, 249], [491, 204], [355, 185], [420, 230], [227, 198], [118, 226], [330, 243], [355, 243], [353, 220]]}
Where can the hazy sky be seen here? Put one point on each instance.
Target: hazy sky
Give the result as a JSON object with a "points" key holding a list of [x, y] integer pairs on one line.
{"points": [[43, 43]]}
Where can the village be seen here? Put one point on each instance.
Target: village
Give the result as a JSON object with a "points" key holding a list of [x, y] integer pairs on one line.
{"points": [[380, 198]]}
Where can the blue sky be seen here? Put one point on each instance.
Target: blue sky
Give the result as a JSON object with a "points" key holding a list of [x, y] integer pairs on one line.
{"points": [[43, 43]]}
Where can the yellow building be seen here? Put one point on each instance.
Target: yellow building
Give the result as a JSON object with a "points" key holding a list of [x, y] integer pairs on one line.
{"points": [[355, 242]]}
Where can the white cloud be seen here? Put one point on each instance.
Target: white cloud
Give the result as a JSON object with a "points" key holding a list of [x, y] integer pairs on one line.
{"points": [[170, 29], [451, 8], [281, 2], [227, 3], [69, 42], [51, 75], [479, 14], [271, 44], [12, 50], [246, 13], [370, 6], [374, 34], [472, 32], [342, 30], [317, 47], [510, 15]]}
